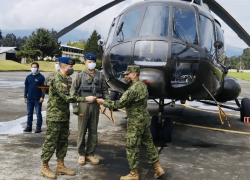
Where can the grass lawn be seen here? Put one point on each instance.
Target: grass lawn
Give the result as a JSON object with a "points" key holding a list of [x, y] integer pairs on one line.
{"points": [[7, 65], [240, 75]]}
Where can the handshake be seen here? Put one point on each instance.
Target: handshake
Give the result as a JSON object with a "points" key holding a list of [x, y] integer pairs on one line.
{"points": [[88, 99], [93, 98]]}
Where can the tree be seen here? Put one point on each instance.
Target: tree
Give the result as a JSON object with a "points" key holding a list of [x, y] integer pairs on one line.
{"points": [[80, 44], [9, 40], [92, 46], [1, 34], [43, 40], [32, 54]]}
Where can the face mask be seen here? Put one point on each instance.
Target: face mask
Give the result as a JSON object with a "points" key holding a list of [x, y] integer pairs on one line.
{"points": [[91, 65], [70, 71], [57, 67], [128, 80], [34, 70]]}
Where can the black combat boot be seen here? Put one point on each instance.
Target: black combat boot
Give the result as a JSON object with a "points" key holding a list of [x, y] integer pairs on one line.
{"points": [[27, 129], [38, 130]]}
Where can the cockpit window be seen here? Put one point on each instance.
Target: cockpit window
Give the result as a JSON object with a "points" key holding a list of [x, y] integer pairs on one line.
{"points": [[207, 34], [127, 27], [151, 53], [185, 26], [155, 21], [112, 30], [219, 35]]}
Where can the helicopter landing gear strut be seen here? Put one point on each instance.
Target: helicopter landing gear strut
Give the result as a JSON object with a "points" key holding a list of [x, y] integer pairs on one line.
{"points": [[161, 126]]}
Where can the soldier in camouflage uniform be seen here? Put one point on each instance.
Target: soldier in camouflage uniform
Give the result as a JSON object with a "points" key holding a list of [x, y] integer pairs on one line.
{"points": [[51, 75], [138, 125], [58, 119], [89, 82]]}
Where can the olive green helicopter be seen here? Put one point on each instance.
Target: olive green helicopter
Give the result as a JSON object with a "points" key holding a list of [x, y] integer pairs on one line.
{"points": [[179, 46]]}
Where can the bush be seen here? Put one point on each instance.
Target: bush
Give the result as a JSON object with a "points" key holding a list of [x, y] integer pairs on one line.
{"points": [[98, 64], [77, 60], [28, 61], [238, 70], [49, 60]]}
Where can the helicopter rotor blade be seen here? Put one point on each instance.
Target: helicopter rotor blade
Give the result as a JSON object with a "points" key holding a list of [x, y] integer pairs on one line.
{"points": [[87, 17], [229, 20]]}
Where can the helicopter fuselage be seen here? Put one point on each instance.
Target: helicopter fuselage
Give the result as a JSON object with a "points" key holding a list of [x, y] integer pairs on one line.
{"points": [[173, 43]]}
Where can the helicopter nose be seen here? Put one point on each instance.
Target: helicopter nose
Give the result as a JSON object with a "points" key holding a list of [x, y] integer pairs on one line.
{"points": [[155, 80]]}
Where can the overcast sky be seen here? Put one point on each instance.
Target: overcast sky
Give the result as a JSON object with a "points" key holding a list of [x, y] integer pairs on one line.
{"points": [[57, 14]]}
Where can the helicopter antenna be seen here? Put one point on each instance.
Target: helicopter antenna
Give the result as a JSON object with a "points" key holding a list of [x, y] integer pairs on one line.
{"points": [[192, 2]]}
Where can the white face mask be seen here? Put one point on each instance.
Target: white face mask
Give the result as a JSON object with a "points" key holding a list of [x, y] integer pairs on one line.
{"points": [[33, 70], [91, 65], [57, 67]]}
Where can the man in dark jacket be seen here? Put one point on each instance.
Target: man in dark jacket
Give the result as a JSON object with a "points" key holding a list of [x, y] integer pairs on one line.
{"points": [[34, 96]]}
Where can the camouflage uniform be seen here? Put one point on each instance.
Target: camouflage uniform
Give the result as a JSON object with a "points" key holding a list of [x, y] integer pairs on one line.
{"points": [[90, 111], [138, 125], [58, 115], [50, 77]]}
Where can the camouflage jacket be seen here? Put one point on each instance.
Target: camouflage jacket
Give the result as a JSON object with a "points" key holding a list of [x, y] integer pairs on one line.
{"points": [[77, 84], [59, 99], [50, 77], [134, 100]]}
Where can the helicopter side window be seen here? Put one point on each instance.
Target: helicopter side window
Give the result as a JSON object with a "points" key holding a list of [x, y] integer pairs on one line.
{"points": [[127, 28], [207, 34], [185, 26], [220, 35], [155, 21], [120, 58], [112, 30], [151, 53]]}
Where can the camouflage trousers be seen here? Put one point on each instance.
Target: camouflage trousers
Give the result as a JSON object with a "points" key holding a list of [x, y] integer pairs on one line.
{"points": [[56, 139], [87, 122], [138, 133]]}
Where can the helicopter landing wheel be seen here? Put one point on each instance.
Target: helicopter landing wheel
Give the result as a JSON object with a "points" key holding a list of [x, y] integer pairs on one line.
{"points": [[161, 131], [167, 130], [245, 108]]}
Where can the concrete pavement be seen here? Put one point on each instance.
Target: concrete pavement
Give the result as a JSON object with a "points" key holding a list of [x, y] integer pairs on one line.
{"points": [[195, 153]]}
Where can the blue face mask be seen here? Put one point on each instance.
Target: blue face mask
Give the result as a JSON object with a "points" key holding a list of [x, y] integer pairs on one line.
{"points": [[34, 70]]}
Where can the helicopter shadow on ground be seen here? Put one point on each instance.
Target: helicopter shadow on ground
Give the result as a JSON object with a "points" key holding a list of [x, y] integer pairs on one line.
{"points": [[195, 116]]}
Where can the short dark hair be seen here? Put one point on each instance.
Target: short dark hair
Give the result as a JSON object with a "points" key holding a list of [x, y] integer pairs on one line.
{"points": [[37, 65]]}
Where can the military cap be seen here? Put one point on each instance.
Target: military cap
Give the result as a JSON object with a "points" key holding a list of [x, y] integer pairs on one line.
{"points": [[132, 68], [66, 60], [90, 56]]}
